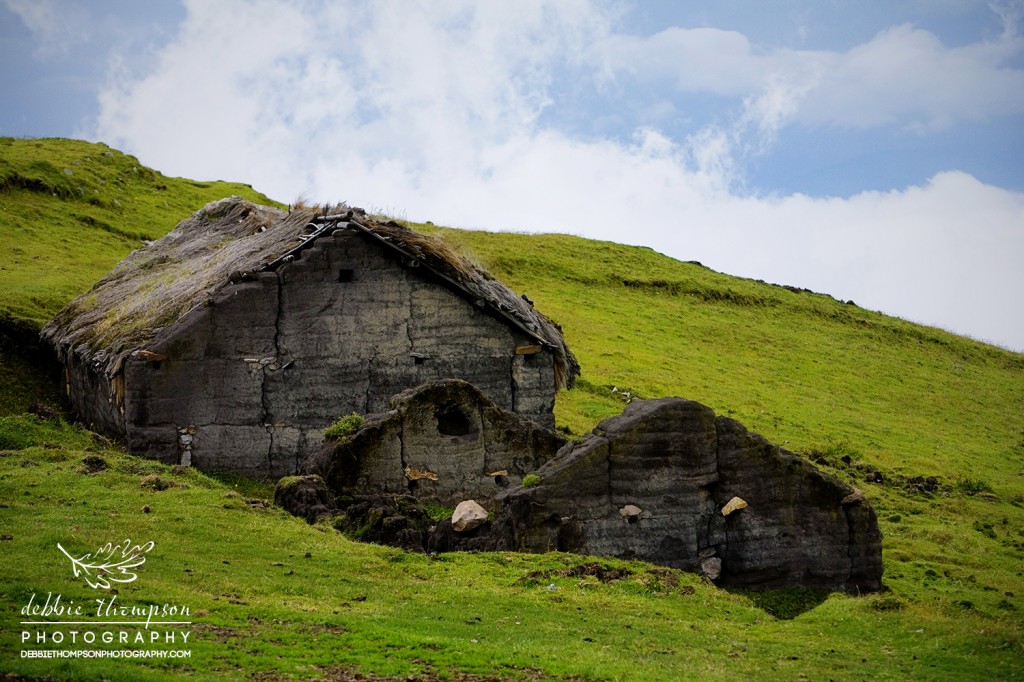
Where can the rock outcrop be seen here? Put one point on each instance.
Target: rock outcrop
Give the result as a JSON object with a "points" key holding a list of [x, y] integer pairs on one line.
{"points": [[304, 496], [384, 519], [659, 483], [444, 441]]}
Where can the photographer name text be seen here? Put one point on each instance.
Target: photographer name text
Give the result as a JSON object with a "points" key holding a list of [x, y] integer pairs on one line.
{"points": [[106, 609]]}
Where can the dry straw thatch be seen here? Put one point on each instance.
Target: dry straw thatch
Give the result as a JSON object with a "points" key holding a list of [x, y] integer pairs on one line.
{"points": [[230, 239]]}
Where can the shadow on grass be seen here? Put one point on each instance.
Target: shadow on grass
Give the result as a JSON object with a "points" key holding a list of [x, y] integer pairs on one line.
{"points": [[787, 603]]}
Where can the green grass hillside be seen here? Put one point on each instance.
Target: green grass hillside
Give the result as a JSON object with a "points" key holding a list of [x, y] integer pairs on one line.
{"points": [[864, 395], [71, 209]]}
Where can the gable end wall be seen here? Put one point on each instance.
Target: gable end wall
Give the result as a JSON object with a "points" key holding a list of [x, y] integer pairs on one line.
{"points": [[251, 381]]}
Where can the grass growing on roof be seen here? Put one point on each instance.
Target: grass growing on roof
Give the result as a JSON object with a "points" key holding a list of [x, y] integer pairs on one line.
{"points": [[231, 240]]}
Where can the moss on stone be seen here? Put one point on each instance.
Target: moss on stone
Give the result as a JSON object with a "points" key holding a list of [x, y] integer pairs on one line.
{"points": [[289, 481]]}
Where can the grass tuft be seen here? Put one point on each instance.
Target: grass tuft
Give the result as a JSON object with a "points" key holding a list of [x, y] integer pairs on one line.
{"points": [[531, 480], [345, 426]]}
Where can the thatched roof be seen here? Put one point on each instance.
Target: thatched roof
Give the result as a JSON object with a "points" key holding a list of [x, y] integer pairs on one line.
{"points": [[231, 239]]}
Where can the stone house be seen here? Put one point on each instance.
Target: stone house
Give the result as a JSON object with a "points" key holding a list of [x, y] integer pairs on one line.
{"points": [[232, 342]]}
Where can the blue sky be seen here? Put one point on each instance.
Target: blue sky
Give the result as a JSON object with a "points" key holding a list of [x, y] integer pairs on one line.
{"points": [[871, 150]]}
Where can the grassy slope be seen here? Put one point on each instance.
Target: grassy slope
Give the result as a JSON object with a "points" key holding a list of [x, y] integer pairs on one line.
{"points": [[71, 208], [802, 369], [68, 211]]}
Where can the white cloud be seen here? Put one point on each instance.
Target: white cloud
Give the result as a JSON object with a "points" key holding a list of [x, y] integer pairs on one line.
{"points": [[56, 25], [903, 76], [692, 60], [945, 253], [420, 85], [433, 110], [906, 76], [214, 97]]}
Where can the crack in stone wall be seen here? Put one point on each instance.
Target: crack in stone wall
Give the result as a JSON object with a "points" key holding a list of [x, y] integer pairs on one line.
{"points": [[513, 384], [409, 317], [409, 483], [722, 548], [608, 460], [268, 414], [849, 542]]}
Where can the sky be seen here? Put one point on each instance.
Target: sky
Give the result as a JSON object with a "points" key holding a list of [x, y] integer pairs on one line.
{"points": [[870, 149]]}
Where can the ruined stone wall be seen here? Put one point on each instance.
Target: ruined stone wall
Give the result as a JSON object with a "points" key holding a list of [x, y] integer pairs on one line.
{"points": [[443, 441], [667, 481], [250, 381], [656, 482]]}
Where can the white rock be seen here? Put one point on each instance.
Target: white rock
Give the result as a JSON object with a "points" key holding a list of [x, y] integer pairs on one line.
{"points": [[630, 511], [732, 505], [712, 567], [467, 516]]}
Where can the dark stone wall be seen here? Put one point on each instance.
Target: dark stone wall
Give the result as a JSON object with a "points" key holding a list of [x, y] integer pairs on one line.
{"points": [[251, 379], [658, 483], [651, 484], [444, 441], [95, 398]]}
